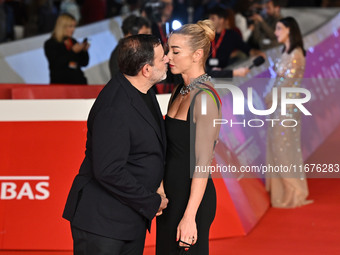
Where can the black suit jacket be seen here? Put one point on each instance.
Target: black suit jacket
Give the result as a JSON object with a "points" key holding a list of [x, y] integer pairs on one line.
{"points": [[114, 194], [113, 62]]}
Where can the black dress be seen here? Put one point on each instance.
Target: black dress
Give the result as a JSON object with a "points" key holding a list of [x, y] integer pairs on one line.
{"points": [[177, 185]]}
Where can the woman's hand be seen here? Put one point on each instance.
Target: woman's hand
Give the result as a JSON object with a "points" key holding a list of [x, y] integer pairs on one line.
{"points": [[86, 46], [187, 232], [78, 47]]}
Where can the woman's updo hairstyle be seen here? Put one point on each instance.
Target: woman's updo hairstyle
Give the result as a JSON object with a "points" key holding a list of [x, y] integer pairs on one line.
{"points": [[200, 35]]}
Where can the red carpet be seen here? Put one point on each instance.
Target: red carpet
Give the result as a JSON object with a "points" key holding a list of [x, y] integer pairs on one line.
{"points": [[313, 229]]}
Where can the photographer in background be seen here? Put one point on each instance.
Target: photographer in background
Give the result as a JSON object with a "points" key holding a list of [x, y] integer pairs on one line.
{"points": [[132, 25], [226, 41], [159, 13], [263, 36], [64, 54], [241, 9]]}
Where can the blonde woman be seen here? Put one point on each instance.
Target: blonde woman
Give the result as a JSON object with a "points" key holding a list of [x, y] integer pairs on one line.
{"points": [[191, 137], [64, 54]]}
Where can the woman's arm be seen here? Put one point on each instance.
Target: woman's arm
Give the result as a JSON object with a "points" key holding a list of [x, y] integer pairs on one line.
{"points": [[293, 74], [206, 136], [81, 52]]}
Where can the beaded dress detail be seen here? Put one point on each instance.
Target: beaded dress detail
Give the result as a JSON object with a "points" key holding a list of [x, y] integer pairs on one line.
{"points": [[287, 190]]}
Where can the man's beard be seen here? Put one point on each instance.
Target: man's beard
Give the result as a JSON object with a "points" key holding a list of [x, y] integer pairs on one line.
{"points": [[162, 78]]}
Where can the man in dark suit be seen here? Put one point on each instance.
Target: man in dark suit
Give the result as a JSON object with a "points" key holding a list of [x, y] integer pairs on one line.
{"points": [[114, 197]]}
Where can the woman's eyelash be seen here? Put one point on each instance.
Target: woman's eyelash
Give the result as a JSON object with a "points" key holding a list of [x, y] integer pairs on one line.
{"points": [[176, 52]]}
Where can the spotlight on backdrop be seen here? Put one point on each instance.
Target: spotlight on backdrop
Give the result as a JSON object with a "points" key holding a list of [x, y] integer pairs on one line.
{"points": [[176, 24]]}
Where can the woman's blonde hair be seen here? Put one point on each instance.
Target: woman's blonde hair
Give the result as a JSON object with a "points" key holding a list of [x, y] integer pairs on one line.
{"points": [[200, 35], [63, 21]]}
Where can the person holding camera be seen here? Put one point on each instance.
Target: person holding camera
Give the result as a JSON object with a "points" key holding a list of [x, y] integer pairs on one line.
{"points": [[264, 27], [132, 25], [64, 54], [225, 43], [159, 13], [162, 28]]}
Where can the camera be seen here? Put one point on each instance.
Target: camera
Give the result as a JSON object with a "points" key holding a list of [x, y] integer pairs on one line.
{"points": [[248, 14]]}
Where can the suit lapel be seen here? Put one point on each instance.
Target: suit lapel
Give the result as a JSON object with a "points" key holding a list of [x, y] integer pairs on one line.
{"points": [[161, 120], [140, 106], [138, 103]]}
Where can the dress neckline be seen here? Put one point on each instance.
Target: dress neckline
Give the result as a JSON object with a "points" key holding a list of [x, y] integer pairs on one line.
{"points": [[167, 116]]}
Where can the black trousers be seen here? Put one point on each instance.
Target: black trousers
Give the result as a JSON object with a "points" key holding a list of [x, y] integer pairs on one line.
{"points": [[86, 243]]}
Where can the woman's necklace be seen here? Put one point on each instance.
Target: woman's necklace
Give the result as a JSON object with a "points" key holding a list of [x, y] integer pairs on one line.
{"points": [[200, 79]]}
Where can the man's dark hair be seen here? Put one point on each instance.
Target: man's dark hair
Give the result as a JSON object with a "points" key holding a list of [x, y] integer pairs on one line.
{"points": [[132, 24], [276, 3], [136, 51], [219, 11]]}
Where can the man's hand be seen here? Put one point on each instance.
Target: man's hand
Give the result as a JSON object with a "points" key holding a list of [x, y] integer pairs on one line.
{"points": [[251, 27], [160, 190], [257, 18], [242, 71], [256, 53], [216, 68], [163, 205]]}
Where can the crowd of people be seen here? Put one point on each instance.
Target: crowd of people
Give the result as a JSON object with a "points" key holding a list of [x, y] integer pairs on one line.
{"points": [[244, 31], [244, 28], [24, 18]]}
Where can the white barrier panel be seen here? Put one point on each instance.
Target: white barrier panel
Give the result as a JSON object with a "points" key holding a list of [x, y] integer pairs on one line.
{"points": [[55, 110]]}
